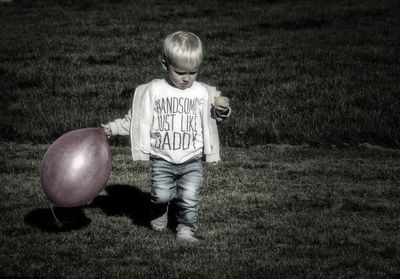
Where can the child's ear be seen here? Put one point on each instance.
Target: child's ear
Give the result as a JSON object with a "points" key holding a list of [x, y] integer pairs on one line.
{"points": [[164, 64]]}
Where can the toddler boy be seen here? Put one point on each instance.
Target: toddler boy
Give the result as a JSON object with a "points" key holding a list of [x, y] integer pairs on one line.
{"points": [[173, 122]]}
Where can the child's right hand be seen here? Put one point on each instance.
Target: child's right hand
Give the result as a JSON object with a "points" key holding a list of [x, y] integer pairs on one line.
{"points": [[107, 130]]}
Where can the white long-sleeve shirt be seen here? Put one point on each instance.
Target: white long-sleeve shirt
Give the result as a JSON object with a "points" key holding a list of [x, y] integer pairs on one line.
{"points": [[171, 123]]}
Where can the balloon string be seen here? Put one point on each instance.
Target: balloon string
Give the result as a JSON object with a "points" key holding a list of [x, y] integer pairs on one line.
{"points": [[59, 224]]}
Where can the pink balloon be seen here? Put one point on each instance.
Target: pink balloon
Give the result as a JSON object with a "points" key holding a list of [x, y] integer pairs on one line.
{"points": [[76, 167]]}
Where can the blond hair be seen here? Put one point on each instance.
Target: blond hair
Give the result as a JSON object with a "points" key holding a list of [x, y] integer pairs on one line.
{"points": [[183, 46]]}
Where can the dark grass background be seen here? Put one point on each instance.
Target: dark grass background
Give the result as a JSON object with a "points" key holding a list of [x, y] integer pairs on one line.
{"points": [[315, 72], [300, 75]]}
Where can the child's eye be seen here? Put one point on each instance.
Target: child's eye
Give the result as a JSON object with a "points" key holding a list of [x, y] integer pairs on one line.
{"points": [[184, 73]]}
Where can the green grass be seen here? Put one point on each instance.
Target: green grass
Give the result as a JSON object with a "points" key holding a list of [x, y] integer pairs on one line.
{"points": [[297, 72], [274, 211]]}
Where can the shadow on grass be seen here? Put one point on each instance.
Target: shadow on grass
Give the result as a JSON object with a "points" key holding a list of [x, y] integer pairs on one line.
{"points": [[120, 200], [127, 200], [124, 200], [69, 218]]}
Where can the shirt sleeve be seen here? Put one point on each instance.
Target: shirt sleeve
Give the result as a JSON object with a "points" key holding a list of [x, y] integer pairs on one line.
{"points": [[121, 126]]}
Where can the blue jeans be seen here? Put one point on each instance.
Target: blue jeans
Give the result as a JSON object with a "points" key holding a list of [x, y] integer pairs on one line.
{"points": [[187, 179]]}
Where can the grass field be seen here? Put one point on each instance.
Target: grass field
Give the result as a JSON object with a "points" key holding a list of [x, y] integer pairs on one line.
{"points": [[297, 72], [300, 75], [271, 211]]}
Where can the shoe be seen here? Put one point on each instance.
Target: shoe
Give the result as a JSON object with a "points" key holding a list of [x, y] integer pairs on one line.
{"points": [[185, 233], [160, 223]]}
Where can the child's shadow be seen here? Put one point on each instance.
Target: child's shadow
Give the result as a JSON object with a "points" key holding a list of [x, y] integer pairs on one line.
{"points": [[124, 200], [120, 200], [127, 200]]}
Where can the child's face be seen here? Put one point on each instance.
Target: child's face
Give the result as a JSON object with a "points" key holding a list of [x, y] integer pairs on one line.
{"points": [[181, 74]]}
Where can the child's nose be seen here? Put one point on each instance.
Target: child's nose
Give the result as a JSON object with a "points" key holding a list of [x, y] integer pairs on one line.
{"points": [[186, 78]]}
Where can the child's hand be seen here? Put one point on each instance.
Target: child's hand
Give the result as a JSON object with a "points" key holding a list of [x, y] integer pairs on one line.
{"points": [[221, 104], [107, 130]]}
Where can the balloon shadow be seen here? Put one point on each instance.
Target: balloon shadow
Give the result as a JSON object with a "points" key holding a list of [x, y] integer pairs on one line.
{"points": [[124, 200], [68, 219], [120, 200]]}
